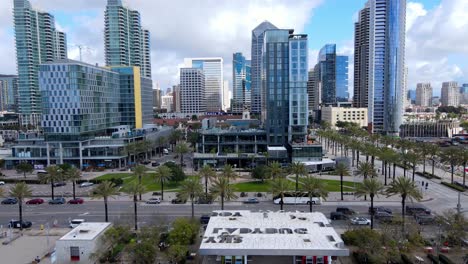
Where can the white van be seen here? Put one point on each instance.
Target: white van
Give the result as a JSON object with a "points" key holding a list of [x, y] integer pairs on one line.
{"points": [[166, 151], [76, 222]]}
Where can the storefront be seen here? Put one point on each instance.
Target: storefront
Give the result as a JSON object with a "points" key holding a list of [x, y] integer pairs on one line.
{"points": [[240, 237]]}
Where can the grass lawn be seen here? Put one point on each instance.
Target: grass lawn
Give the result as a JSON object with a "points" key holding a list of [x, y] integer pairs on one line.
{"points": [[148, 181], [258, 186]]}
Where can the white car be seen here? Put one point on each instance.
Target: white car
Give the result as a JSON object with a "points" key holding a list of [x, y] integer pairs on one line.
{"points": [[156, 200], [2, 183], [360, 221], [86, 184]]}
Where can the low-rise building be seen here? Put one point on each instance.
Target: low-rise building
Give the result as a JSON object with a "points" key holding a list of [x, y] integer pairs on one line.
{"points": [[78, 245], [333, 114], [434, 128]]}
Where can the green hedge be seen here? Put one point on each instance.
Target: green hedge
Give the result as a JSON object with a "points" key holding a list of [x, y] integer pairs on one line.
{"points": [[27, 181], [428, 175], [453, 186], [116, 181], [445, 260]]}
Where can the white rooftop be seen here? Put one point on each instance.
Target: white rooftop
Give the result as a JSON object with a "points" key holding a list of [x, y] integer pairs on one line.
{"points": [[244, 232], [86, 231], [273, 148]]}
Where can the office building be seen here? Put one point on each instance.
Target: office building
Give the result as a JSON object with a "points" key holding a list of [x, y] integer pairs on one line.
{"points": [[167, 103], [37, 41], [156, 99], [258, 34], [464, 94], [176, 98], [361, 57], [226, 96], [126, 42], [450, 94], [136, 100], [8, 92], [333, 115], [313, 92], [192, 91], [424, 94], [241, 83], [213, 72]]}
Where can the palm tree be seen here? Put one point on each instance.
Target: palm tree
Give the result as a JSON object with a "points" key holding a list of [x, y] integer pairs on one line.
{"points": [[139, 171], [24, 168], [73, 174], [343, 170], [190, 189], [365, 169], [105, 190], [133, 189], [20, 191], [163, 174], [161, 142], [299, 169], [452, 156], [464, 158], [208, 174], [371, 187], [54, 174], [182, 149], [275, 170], [314, 186], [433, 152], [228, 172], [406, 189], [222, 189], [413, 159], [279, 187]]}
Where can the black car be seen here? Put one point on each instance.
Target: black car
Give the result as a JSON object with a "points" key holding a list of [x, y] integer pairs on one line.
{"points": [[381, 209], [178, 200], [18, 224], [155, 164], [417, 209], [383, 216], [59, 200], [59, 184], [251, 201], [145, 162], [206, 199], [345, 210], [204, 219], [10, 201], [338, 216], [424, 219]]}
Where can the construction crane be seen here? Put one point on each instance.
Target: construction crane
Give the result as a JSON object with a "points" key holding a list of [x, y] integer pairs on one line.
{"points": [[81, 48]]}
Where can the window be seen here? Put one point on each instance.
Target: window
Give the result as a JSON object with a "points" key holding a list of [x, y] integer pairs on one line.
{"points": [[74, 253]]}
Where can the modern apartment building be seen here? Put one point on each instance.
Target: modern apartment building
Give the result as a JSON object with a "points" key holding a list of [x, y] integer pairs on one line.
{"points": [[192, 91], [361, 57], [450, 94], [176, 98], [464, 94], [37, 41], [226, 96], [126, 42], [313, 92], [157, 99], [424, 94], [167, 102], [241, 83], [258, 34], [8, 92], [213, 71]]}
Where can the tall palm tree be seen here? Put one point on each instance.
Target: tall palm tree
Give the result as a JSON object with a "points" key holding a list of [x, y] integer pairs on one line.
{"points": [[279, 187], [413, 159], [433, 153], [20, 191], [372, 187], [299, 169], [365, 169], [452, 156], [161, 142], [314, 186], [139, 171], [54, 174], [464, 158], [104, 190], [207, 173], [163, 174], [228, 172], [133, 189], [182, 149], [343, 170], [73, 174], [222, 189], [406, 189], [191, 188], [275, 170]]}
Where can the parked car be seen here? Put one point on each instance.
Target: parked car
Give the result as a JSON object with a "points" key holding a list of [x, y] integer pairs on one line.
{"points": [[360, 221], [145, 162], [338, 216], [18, 224], [155, 164], [204, 219], [76, 201], [10, 201], [2, 183], [76, 222], [35, 201], [345, 210], [383, 216], [380, 209], [178, 200], [59, 184], [204, 200], [251, 201], [417, 209], [155, 200], [424, 219], [86, 184], [58, 200]]}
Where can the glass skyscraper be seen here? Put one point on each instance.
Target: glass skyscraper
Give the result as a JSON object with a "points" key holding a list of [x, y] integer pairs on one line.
{"points": [[126, 42], [8, 92], [37, 41], [256, 65], [241, 83]]}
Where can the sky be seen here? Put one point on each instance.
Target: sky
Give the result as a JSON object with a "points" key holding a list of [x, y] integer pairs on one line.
{"points": [[436, 49]]}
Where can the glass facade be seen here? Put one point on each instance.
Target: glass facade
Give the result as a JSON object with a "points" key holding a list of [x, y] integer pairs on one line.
{"points": [[332, 75], [341, 74], [213, 72], [241, 78], [8, 92]]}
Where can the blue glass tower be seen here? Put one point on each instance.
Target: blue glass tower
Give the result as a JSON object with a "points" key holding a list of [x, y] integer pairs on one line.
{"points": [[333, 75], [241, 83]]}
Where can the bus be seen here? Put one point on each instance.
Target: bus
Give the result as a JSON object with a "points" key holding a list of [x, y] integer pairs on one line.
{"points": [[297, 198]]}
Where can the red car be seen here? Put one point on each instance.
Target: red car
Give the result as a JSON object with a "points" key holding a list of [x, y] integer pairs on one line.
{"points": [[76, 201], [35, 201]]}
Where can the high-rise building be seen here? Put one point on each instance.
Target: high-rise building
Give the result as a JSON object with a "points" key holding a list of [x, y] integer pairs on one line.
{"points": [[156, 99], [361, 58], [387, 19], [312, 92], [284, 67], [424, 94], [450, 94], [8, 92], [464, 94], [126, 42], [213, 72], [37, 41], [226, 96], [82, 100], [192, 90], [167, 102], [136, 100], [241, 83], [176, 96], [256, 65]]}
